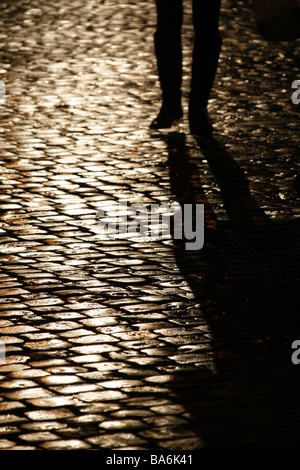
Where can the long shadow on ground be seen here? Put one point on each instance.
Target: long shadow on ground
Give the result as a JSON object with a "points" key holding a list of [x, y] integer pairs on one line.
{"points": [[246, 278]]}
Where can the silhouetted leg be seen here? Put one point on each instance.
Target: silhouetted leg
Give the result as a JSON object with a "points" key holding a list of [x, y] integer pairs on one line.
{"points": [[168, 49], [207, 47]]}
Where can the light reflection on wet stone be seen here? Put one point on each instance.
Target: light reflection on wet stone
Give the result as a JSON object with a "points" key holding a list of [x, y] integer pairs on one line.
{"points": [[96, 331]]}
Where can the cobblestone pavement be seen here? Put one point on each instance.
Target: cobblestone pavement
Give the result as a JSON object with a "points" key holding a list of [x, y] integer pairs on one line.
{"points": [[134, 344]]}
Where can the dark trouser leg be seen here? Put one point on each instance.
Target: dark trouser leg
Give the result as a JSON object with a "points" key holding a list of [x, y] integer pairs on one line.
{"points": [[167, 41], [207, 47]]}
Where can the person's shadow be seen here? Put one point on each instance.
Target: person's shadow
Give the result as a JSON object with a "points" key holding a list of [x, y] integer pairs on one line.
{"points": [[246, 278]]}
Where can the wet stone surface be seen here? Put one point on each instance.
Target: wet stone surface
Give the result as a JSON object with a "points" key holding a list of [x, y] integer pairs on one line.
{"points": [[139, 344]]}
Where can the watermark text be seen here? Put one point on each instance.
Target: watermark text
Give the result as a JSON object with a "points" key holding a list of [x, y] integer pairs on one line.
{"points": [[296, 354], [296, 94], [2, 92], [2, 352], [153, 222]]}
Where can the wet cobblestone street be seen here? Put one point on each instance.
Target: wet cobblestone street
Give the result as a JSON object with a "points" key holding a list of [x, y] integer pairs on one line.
{"points": [[130, 343]]}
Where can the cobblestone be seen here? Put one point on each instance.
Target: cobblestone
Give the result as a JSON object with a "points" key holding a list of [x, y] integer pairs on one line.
{"points": [[133, 344]]}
